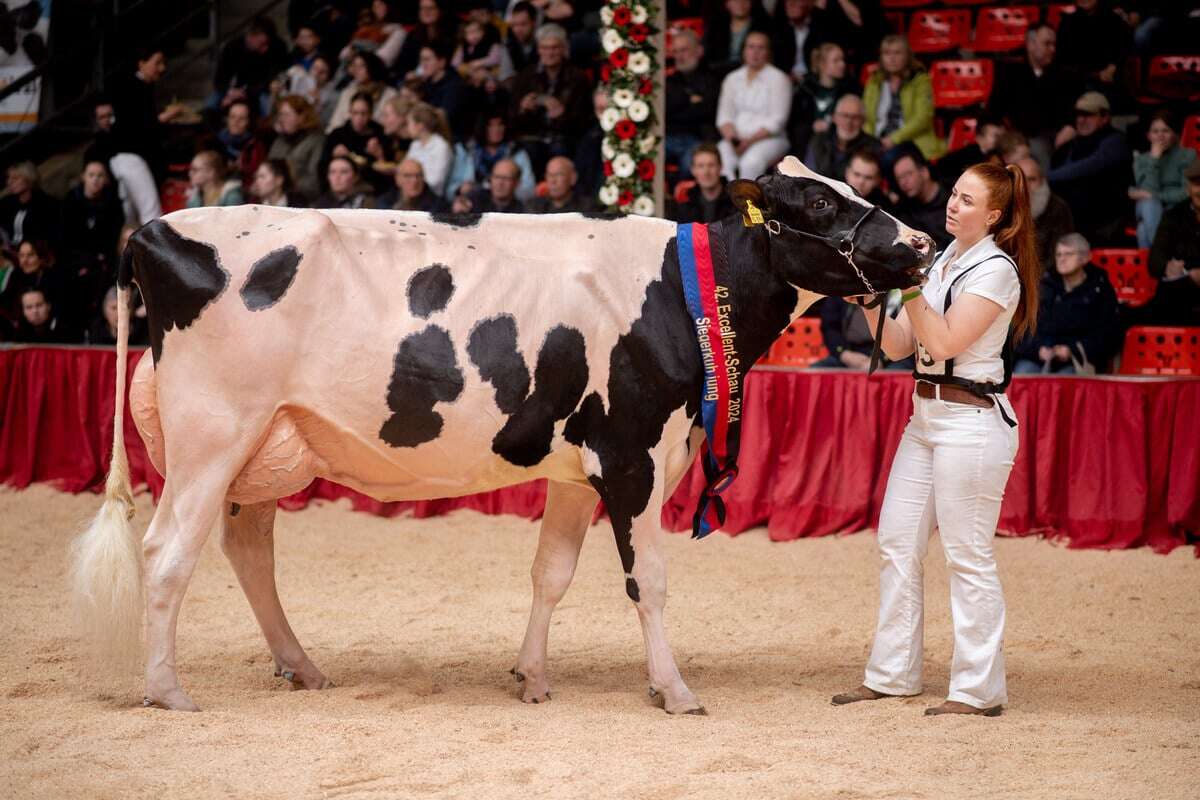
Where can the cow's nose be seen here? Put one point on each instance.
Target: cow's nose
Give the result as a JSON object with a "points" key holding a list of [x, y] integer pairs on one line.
{"points": [[921, 243]]}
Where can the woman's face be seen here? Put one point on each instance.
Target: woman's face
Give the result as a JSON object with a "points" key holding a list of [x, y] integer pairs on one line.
{"points": [[358, 70], [893, 58], [266, 183], [306, 40], [28, 259], [360, 115], [415, 129], [380, 10], [834, 64], [473, 33], [341, 177], [496, 131], [390, 120], [1160, 133], [967, 212], [95, 178], [428, 12], [110, 311], [201, 173], [287, 119], [319, 71]]}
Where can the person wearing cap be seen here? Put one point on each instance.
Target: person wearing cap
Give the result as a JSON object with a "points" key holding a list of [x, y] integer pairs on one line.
{"points": [[1175, 260], [1091, 169]]}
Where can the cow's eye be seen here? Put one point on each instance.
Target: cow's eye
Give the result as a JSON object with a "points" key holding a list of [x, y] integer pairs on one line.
{"points": [[820, 204]]}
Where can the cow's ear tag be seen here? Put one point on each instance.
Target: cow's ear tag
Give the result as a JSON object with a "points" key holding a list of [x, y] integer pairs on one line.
{"points": [[752, 216]]}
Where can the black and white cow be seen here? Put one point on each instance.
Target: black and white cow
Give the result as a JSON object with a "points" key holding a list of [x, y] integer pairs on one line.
{"points": [[412, 356]]}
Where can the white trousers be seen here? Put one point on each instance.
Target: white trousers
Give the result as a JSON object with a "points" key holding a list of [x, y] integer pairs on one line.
{"points": [[950, 471], [136, 186], [755, 161]]}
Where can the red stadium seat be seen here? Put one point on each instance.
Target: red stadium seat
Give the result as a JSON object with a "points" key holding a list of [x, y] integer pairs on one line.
{"points": [[937, 31], [681, 190], [868, 69], [905, 3], [1190, 136], [1161, 351], [961, 83], [174, 194], [965, 2], [1002, 29], [1174, 77], [1128, 273], [962, 133], [1055, 11], [895, 21], [799, 346]]}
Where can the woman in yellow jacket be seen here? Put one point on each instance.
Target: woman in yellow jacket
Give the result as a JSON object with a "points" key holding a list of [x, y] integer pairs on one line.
{"points": [[899, 101]]}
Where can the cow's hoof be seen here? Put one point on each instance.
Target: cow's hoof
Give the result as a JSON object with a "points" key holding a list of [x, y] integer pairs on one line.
{"points": [[678, 704], [310, 680], [171, 700], [536, 694], [516, 673]]}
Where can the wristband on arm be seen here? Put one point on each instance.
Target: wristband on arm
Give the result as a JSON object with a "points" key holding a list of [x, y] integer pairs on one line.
{"points": [[910, 295]]}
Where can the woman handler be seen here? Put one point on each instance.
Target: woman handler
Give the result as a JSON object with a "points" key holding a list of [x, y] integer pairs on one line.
{"points": [[958, 448]]}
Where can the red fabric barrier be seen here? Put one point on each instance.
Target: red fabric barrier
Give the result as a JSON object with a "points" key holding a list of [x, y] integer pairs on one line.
{"points": [[1105, 463]]}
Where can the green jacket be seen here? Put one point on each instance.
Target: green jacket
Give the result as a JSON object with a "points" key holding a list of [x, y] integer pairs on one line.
{"points": [[1163, 176], [916, 103]]}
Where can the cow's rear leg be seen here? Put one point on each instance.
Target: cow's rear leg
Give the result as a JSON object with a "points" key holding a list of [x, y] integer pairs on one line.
{"points": [[569, 509], [248, 541]]}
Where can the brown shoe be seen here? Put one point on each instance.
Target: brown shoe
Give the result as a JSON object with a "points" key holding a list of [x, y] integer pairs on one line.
{"points": [[955, 707], [858, 695]]}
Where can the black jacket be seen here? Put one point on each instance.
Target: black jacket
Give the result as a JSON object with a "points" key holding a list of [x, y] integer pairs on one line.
{"points": [[426, 201], [927, 217], [1093, 174], [825, 157], [1034, 105], [570, 88], [91, 227], [40, 220], [576, 202], [843, 328], [1178, 237], [1084, 317], [697, 209], [686, 117]]}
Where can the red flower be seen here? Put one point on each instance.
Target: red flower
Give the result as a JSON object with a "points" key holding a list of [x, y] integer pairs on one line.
{"points": [[645, 169], [606, 72], [639, 33], [625, 198], [646, 87], [619, 58], [625, 129], [608, 171], [622, 15]]}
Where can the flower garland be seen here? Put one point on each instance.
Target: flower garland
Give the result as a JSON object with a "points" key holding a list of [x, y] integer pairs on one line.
{"points": [[629, 146]]}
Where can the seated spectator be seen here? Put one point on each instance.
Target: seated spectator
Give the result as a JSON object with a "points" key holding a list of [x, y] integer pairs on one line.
{"points": [[306, 49], [520, 46], [324, 95], [139, 123], [411, 192], [1035, 94], [865, 175], [103, 329], [1175, 259], [725, 35], [899, 100], [1158, 184], [342, 176], [135, 181], [35, 270], [690, 103], [952, 165], [27, 212], [707, 201], [211, 185], [382, 34], [479, 55], [239, 144], [501, 195], [299, 143], [1052, 218], [435, 25], [367, 75], [561, 197], [817, 94], [1094, 42], [444, 89], [846, 335], [923, 200], [273, 185], [752, 111], [1090, 169], [91, 223], [246, 67], [830, 151], [798, 29], [550, 100], [1078, 317], [351, 140], [430, 145], [473, 163], [589, 159], [38, 323]]}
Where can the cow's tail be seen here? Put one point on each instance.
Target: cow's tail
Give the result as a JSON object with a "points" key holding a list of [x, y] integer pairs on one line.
{"points": [[106, 559]]}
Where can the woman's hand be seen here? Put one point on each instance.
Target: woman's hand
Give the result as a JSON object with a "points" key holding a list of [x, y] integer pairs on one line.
{"points": [[1062, 352]]}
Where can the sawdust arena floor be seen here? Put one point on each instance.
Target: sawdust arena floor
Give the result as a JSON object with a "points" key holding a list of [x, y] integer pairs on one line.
{"points": [[419, 621]]}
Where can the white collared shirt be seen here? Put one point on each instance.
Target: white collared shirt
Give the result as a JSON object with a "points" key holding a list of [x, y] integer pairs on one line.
{"points": [[995, 278], [750, 104]]}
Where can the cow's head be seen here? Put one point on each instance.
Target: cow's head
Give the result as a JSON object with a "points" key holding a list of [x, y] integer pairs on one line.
{"points": [[820, 230]]}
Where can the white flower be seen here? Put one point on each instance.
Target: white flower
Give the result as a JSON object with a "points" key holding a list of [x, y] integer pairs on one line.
{"points": [[608, 194], [646, 143], [639, 63], [638, 111], [609, 117], [621, 98], [611, 40], [606, 15], [623, 166], [643, 206], [606, 149], [639, 14]]}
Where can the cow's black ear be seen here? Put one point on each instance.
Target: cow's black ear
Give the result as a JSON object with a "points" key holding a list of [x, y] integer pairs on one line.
{"points": [[743, 191]]}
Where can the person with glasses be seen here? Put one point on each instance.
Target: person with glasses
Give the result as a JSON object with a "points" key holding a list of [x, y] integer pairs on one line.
{"points": [[411, 192], [1092, 169], [829, 151]]}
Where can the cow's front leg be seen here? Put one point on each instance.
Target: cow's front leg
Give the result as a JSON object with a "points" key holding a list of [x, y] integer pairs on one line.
{"points": [[248, 541], [568, 513]]}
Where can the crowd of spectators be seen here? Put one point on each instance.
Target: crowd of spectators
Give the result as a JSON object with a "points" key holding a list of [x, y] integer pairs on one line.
{"points": [[494, 106]]}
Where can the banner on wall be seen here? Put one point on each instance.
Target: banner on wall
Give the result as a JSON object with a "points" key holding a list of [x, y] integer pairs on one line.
{"points": [[24, 31]]}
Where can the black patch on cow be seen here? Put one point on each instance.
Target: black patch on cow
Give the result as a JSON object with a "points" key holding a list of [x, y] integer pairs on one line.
{"points": [[602, 216], [270, 278], [559, 380], [178, 277], [429, 290], [492, 348], [425, 372], [456, 220]]}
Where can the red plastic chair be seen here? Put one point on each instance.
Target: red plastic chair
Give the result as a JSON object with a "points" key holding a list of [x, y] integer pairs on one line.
{"points": [[937, 31], [868, 69], [1172, 78], [1002, 29], [961, 83], [681, 190], [1055, 12], [962, 133], [800, 345], [1128, 273], [1190, 136], [1161, 351]]}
